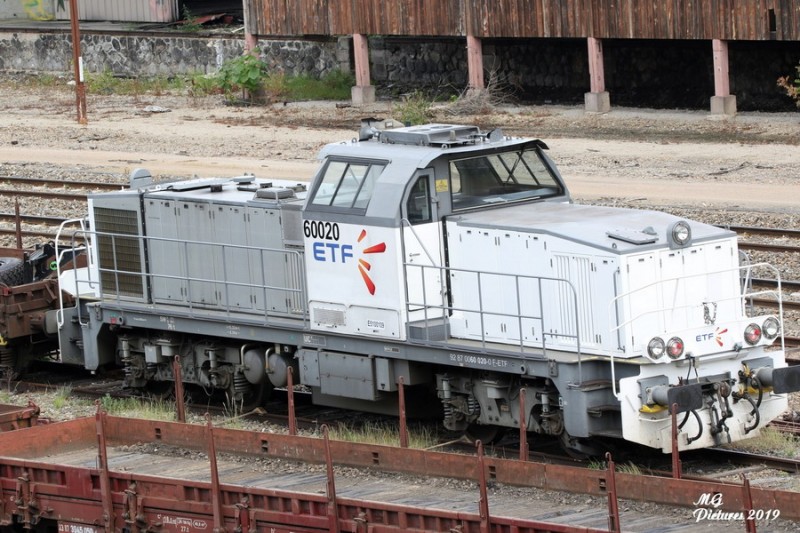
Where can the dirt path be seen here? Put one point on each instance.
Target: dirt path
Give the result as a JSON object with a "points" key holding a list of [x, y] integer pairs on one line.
{"points": [[653, 158]]}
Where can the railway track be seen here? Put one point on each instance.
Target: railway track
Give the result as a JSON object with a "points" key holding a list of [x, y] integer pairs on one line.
{"points": [[57, 184]]}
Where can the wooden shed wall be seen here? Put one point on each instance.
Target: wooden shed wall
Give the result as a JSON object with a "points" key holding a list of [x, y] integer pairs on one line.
{"points": [[617, 19]]}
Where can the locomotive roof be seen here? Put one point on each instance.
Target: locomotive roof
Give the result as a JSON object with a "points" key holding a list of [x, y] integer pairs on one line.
{"points": [[612, 229], [420, 145]]}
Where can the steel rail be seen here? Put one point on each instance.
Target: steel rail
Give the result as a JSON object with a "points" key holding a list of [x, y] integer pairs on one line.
{"points": [[105, 186], [771, 232], [32, 219], [779, 248], [783, 464], [44, 194]]}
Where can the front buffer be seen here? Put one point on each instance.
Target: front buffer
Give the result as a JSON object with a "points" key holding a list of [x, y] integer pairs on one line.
{"points": [[714, 405]]}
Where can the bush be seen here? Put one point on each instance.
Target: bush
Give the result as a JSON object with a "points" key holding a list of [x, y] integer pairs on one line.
{"points": [[245, 73], [791, 87], [414, 109]]}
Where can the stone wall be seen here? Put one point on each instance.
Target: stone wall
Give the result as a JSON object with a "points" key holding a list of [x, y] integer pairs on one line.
{"points": [[151, 55], [660, 74]]}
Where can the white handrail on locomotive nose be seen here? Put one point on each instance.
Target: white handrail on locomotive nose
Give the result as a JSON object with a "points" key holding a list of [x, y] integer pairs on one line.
{"points": [[743, 296], [60, 255]]}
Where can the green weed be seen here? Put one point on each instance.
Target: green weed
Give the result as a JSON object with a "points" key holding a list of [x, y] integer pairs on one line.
{"points": [[415, 108], [770, 441], [383, 433], [139, 408], [61, 396]]}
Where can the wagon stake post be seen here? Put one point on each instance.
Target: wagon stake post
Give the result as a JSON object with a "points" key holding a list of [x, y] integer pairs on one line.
{"points": [[102, 455], [333, 508], [180, 405], [486, 521], [401, 393], [613, 504], [747, 501], [290, 397], [216, 500]]}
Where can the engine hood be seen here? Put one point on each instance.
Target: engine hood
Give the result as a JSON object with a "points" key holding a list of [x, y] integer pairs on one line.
{"points": [[615, 230]]}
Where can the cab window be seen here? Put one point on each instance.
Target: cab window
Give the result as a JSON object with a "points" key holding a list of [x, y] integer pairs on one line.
{"points": [[347, 184], [501, 177], [418, 206]]}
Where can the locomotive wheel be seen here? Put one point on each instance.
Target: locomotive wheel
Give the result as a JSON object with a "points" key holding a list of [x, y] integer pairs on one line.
{"points": [[484, 433], [255, 397], [160, 390], [12, 271]]}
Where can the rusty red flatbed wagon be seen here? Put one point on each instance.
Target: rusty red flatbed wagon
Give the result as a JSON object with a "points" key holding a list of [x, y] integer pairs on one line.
{"points": [[16, 417], [105, 473], [99, 474]]}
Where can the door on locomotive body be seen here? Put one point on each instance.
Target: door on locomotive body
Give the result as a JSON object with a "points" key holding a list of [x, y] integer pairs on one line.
{"points": [[422, 249], [353, 261]]}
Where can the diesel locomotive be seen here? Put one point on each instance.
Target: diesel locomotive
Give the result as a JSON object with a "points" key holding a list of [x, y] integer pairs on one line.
{"points": [[450, 257]]}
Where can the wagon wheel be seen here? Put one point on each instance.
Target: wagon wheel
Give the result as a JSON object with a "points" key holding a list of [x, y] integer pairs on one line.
{"points": [[12, 271]]}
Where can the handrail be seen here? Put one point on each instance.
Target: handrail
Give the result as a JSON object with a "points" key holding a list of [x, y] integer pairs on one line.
{"points": [[448, 310], [742, 296], [290, 290], [60, 255]]}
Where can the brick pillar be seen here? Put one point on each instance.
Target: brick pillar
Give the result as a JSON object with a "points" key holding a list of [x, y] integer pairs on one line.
{"points": [[597, 100], [363, 92], [475, 63], [723, 102]]}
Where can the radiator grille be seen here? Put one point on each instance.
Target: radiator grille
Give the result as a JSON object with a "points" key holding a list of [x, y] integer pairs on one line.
{"points": [[119, 257], [578, 271]]}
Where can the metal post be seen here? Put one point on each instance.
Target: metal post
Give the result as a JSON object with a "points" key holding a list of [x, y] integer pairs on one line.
{"points": [[483, 504], [676, 455], [102, 456], [747, 500], [290, 394], [402, 411], [180, 406], [523, 427], [77, 59], [613, 504], [216, 499], [17, 224], [333, 508]]}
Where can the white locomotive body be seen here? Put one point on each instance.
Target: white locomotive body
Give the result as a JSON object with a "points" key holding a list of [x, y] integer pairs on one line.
{"points": [[452, 258]]}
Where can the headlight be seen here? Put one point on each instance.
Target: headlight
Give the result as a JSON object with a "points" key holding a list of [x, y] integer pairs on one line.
{"points": [[681, 233], [752, 334], [771, 327], [655, 348], [675, 348]]}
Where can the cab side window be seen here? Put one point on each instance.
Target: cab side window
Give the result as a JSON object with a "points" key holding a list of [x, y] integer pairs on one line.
{"points": [[347, 185], [418, 207]]}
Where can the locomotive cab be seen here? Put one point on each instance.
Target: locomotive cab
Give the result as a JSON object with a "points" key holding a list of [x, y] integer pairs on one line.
{"points": [[375, 226]]}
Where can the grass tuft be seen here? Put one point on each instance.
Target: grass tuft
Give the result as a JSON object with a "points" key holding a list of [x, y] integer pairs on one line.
{"points": [[139, 408], [383, 433], [770, 441]]}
